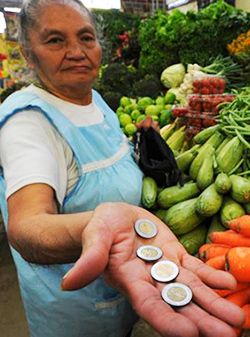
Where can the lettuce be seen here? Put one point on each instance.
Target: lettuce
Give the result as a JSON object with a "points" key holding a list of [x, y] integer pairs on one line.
{"points": [[173, 76]]}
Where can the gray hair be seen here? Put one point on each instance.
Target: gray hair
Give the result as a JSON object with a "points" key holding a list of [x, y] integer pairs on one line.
{"points": [[29, 14]]}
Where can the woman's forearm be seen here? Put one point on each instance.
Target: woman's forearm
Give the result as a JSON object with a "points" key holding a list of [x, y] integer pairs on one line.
{"points": [[50, 238]]}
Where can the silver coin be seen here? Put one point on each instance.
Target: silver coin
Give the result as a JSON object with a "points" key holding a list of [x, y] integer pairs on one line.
{"points": [[149, 253], [146, 228], [176, 294], [164, 271]]}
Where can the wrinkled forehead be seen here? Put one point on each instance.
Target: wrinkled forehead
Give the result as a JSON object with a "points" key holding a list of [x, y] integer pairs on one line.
{"points": [[33, 9], [59, 15]]}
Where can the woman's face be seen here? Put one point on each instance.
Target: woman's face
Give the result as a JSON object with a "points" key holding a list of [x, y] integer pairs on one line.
{"points": [[65, 53]]}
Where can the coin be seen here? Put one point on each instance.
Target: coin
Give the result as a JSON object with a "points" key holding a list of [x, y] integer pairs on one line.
{"points": [[176, 294], [149, 253], [146, 228], [164, 271]]}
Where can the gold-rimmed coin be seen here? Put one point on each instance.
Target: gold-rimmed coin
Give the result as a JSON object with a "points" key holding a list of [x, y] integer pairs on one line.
{"points": [[149, 253], [145, 228], [164, 271], [176, 294]]}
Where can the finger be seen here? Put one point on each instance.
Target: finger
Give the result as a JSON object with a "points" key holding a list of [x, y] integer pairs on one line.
{"points": [[207, 299], [149, 305], [208, 325], [97, 242], [212, 277]]}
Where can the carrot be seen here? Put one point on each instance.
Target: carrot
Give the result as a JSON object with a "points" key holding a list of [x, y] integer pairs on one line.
{"points": [[240, 298], [246, 310], [217, 262], [237, 331], [202, 248], [226, 292], [241, 225], [205, 247], [238, 263], [215, 251], [230, 238]]}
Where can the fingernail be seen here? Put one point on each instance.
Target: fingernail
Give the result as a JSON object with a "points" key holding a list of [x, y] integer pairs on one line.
{"points": [[67, 274]]}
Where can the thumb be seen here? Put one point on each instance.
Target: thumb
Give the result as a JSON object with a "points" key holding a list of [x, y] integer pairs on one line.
{"points": [[97, 241]]}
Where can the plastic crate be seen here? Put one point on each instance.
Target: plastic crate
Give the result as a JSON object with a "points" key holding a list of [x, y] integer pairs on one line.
{"points": [[209, 85], [208, 103], [202, 120]]}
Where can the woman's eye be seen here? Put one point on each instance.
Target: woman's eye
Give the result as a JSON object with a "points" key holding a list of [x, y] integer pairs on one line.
{"points": [[88, 38], [54, 40]]}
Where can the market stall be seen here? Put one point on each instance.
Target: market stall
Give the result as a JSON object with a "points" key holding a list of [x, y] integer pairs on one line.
{"points": [[190, 73]]}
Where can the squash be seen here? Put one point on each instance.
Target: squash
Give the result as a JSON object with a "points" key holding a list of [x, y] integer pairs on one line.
{"points": [[194, 239], [209, 201], [182, 217], [205, 150], [230, 209], [240, 190], [172, 195], [206, 173], [215, 226], [222, 183]]}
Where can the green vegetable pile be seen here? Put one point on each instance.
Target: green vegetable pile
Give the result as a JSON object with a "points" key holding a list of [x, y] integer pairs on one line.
{"points": [[234, 121], [176, 37], [132, 111], [216, 176]]}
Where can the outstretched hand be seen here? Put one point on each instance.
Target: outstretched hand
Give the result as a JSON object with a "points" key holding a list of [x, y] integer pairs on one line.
{"points": [[110, 245]]}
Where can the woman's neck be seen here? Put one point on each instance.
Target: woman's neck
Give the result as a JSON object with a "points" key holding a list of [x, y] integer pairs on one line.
{"points": [[79, 98]]}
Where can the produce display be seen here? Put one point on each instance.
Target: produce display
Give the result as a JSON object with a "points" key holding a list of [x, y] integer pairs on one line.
{"points": [[191, 73], [216, 170]]}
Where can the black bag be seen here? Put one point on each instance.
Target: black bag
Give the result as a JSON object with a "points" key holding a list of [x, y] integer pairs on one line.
{"points": [[155, 158]]}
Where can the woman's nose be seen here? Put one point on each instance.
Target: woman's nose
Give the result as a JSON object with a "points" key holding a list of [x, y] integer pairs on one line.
{"points": [[75, 50]]}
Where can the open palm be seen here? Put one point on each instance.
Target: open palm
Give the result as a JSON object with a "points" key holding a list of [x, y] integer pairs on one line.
{"points": [[110, 245]]}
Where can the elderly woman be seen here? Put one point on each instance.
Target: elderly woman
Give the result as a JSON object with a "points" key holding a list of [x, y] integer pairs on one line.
{"points": [[70, 195]]}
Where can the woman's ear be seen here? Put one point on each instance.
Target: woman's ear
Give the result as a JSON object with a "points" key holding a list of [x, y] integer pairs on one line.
{"points": [[28, 57]]}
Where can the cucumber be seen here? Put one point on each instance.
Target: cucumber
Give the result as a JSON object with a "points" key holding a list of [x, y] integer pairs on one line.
{"points": [[149, 192], [240, 190], [230, 209], [216, 139], [194, 239], [204, 135], [247, 208], [206, 173], [209, 201], [182, 217], [222, 183], [220, 147], [205, 150], [172, 195], [215, 226], [161, 214], [230, 155], [184, 159]]}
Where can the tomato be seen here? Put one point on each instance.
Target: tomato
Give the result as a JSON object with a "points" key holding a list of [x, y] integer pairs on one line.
{"points": [[205, 90], [207, 106], [180, 111], [208, 121]]}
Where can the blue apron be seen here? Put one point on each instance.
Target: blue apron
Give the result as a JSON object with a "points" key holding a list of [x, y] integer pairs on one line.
{"points": [[107, 172]]}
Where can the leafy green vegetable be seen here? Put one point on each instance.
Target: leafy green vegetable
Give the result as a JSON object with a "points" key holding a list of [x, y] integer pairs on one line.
{"points": [[173, 76], [176, 37]]}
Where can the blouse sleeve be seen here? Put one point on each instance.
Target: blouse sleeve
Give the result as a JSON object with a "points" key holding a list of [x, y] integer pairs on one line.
{"points": [[31, 152]]}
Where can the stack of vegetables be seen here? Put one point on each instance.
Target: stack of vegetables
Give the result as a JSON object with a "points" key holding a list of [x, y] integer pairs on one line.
{"points": [[216, 171], [223, 74], [203, 105], [230, 251], [132, 111]]}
